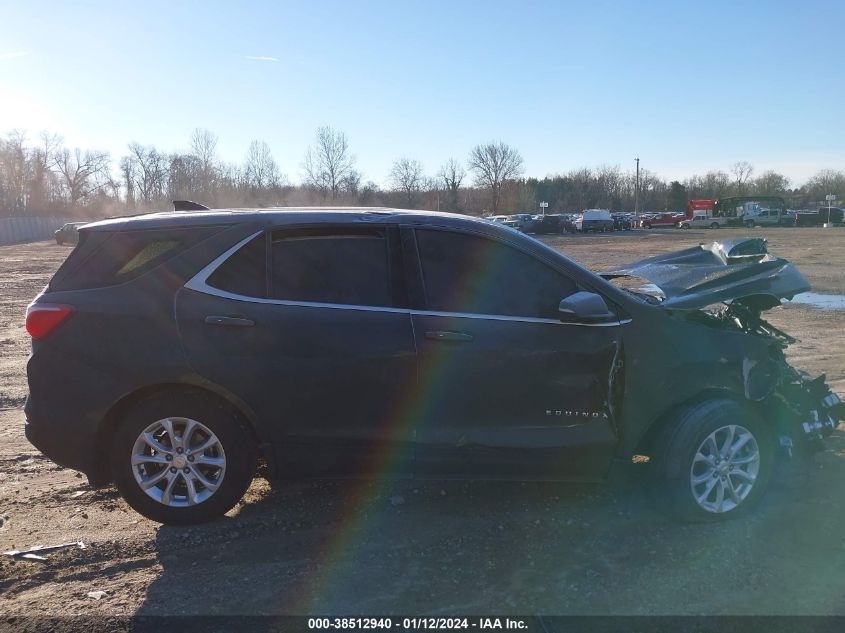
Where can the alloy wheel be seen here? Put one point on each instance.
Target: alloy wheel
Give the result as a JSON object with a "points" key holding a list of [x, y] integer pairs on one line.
{"points": [[725, 468], [178, 462]]}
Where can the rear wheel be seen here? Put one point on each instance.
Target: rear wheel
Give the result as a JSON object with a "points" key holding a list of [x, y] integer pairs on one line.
{"points": [[750, 224], [716, 463], [182, 458], [714, 225]]}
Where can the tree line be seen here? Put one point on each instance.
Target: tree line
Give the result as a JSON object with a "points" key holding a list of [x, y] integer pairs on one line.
{"points": [[41, 176]]}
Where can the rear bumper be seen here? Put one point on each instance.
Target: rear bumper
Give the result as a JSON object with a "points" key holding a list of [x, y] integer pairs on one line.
{"points": [[62, 441], [66, 404]]}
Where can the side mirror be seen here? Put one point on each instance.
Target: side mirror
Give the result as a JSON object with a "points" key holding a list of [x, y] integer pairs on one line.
{"points": [[584, 307]]}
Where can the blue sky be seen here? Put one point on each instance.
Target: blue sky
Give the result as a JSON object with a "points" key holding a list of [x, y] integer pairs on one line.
{"points": [[686, 86]]}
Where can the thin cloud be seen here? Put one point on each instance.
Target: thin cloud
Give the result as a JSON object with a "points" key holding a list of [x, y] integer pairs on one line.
{"points": [[5, 56], [261, 58]]}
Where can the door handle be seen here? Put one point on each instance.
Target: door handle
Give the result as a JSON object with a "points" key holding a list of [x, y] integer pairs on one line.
{"points": [[440, 335], [229, 321]]}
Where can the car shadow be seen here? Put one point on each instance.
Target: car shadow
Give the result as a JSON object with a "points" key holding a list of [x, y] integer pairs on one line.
{"points": [[499, 548], [370, 546]]}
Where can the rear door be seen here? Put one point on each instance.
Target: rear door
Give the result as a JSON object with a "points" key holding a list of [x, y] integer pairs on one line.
{"points": [[308, 326], [505, 389]]}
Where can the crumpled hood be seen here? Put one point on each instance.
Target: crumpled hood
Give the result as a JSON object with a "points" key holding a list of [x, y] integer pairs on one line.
{"points": [[724, 271]]}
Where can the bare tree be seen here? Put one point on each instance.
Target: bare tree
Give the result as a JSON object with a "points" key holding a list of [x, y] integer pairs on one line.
{"points": [[149, 170], [494, 164], [82, 172], [260, 170], [204, 150], [741, 171], [14, 171], [406, 176], [771, 182], [452, 174], [328, 163], [824, 182]]}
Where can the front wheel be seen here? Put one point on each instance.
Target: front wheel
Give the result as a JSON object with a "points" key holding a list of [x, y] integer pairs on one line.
{"points": [[715, 225], [716, 462], [182, 458]]}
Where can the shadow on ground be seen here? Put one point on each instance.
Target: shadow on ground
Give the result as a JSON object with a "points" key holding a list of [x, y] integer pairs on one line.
{"points": [[506, 548]]}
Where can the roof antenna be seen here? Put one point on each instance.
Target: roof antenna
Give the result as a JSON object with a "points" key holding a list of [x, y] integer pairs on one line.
{"points": [[188, 205]]}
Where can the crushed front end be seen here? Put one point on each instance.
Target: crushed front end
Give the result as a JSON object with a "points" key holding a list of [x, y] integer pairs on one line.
{"points": [[727, 285], [805, 408]]}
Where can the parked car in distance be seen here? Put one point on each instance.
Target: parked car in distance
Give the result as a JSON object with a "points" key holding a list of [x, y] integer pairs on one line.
{"points": [[594, 220], [497, 218], [170, 350], [622, 222], [749, 211], [68, 234], [767, 217], [519, 221], [700, 220], [550, 223], [658, 220], [817, 217]]}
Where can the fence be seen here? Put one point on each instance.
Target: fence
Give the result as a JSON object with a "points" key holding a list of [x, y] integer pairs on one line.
{"points": [[30, 229]]}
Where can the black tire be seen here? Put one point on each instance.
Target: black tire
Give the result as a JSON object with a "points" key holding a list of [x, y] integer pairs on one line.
{"points": [[59, 241], [680, 444], [714, 225], [238, 446]]}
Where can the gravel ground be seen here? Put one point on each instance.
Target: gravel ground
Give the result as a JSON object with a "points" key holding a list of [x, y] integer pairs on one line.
{"points": [[431, 547]]}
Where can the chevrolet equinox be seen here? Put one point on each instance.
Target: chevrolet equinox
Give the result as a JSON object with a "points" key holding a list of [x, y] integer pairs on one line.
{"points": [[172, 351]]}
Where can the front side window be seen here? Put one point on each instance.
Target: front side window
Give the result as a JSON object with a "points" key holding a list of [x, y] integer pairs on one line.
{"points": [[331, 266], [471, 274]]}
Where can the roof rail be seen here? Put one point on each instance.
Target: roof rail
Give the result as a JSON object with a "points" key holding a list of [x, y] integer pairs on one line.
{"points": [[188, 205]]}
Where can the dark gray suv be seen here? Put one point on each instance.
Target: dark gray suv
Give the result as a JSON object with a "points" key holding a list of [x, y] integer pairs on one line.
{"points": [[171, 351]]}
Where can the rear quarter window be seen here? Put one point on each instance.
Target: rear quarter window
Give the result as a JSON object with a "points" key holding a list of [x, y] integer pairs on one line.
{"points": [[108, 258]]}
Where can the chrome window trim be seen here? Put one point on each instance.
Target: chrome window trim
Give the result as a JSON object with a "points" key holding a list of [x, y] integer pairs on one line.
{"points": [[199, 283], [521, 319]]}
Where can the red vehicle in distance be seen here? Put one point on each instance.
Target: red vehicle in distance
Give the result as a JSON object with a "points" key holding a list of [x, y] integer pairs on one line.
{"points": [[660, 220]]}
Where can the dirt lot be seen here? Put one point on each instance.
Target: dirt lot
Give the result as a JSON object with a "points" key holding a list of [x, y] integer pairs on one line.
{"points": [[435, 548]]}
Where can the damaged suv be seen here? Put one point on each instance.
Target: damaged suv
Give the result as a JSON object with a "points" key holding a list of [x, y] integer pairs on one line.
{"points": [[171, 351]]}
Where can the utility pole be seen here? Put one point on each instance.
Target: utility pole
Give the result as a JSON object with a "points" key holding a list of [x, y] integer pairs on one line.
{"points": [[637, 192], [829, 198]]}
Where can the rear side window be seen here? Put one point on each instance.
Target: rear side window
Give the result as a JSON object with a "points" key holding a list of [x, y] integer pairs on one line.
{"points": [[471, 274], [245, 272], [331, 266], [110, 258]]}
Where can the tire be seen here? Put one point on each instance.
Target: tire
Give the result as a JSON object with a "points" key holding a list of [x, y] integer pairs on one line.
{"points": [[681, 477], [715, 225], [59, 241], [750, 224], [684, 225], [227, 480]]}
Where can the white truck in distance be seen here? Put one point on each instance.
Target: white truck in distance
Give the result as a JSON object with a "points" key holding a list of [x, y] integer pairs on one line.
{"points": [[700, 220]]}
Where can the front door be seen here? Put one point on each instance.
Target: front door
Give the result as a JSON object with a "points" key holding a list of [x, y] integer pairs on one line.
{"points": [[506, 389]]}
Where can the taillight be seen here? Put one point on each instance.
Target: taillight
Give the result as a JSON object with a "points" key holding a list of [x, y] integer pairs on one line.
{"points": [[42, 318]]}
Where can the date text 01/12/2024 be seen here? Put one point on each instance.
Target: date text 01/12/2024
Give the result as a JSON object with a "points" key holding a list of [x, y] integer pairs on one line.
{"points": [[417, 623]]}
